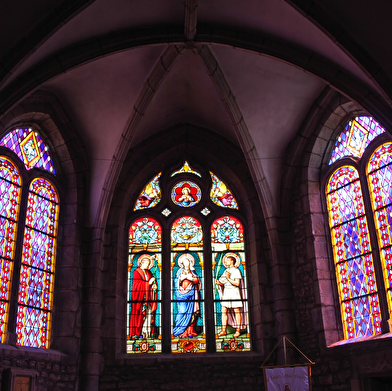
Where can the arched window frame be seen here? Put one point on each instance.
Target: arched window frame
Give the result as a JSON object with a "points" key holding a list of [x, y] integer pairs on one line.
{"points": [[204, 183], [360, 164], [41, 340]]}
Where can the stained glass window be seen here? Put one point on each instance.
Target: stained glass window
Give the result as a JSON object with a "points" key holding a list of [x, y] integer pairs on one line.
{"points": [[10, 188], [353, 256], [36, 283], [144, 323], [34, 264], [30, 148], [171, 295], [221, 195], [357, 135], [150, 195], [380, 184], [230, 287], [188, 327]]}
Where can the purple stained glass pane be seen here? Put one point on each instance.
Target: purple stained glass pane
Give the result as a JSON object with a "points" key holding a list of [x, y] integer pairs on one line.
{"points": [[7, 237], [386, 255], [342, 177], [35, 288], [38, 250], [30, 148], [41, 214], [381, 157], [32, 327], [5, 275], [381, 187], [350, 239], [355, 138], [362, 315], [356, 277], [345, 204], [44, 189], [3, 319]]}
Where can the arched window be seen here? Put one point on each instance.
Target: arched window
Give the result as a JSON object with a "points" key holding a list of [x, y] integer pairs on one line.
{"points": [[29, 210], [186, 269], [359, 207]]}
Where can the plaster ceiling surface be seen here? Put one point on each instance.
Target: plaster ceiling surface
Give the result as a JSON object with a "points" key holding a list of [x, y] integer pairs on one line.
{"points": [[187, 94], [274, 99], [103, 17], [99, 98]]}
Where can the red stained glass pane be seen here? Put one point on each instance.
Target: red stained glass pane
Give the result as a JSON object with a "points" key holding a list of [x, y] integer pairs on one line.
{"points": [[33, 327], [381, 187], [145, 233], [227, 229], [7, 237], [341, 177]]}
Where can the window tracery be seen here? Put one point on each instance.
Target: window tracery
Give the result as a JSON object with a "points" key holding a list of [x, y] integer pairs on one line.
{"points": [[191, 297]]}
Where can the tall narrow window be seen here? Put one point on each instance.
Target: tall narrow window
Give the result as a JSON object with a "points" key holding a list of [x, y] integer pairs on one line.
{"points": [[182, 270], [10, 188], [31, 255]]}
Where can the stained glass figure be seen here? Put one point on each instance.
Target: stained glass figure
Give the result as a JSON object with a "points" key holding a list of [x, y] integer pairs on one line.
{"points": [[187, 272], [380, 185], [221, 195], [144, 287], [37, 266], [186, 169], [30, 148], [150, 195], [10, 192], [188, 331], [353, 257], [229, 281], [355, 138], [186, 194]]}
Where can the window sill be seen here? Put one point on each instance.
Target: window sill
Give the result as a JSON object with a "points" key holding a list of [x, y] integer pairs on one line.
{"points": [[352, 341], [42, 354]]}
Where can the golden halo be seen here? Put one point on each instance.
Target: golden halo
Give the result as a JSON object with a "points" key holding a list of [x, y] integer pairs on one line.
{"points": [[189, 257], [235, 256], [151, 259]]}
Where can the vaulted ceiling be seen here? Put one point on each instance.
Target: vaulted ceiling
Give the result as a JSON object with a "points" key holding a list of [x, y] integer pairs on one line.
{"points": [[249, 70]]}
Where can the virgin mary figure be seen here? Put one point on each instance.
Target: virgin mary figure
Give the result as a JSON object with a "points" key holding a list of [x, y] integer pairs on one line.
{"points": [[187, 287]]}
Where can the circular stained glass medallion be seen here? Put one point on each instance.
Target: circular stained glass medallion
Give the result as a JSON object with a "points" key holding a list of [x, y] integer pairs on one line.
{"points": [[186, 194]]}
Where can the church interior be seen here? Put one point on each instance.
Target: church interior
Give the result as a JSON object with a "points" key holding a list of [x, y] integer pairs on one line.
{"points": [[186, 183]]}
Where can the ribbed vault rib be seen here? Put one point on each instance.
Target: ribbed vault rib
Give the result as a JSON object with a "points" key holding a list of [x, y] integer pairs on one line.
{"points": [[240, 127], [190, 21]]}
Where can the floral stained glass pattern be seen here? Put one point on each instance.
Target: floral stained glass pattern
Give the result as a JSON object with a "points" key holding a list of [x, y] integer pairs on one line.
{"points": [[352, 254], [186, 194], [37, 269], [10, 190], [354, 139], [221, 195], [145, 233], [150, 195], [30, 148], [186, 233], [380, 184], [229, 281]]}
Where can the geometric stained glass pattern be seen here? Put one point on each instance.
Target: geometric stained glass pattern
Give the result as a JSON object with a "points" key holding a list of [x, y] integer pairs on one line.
{"points": [[353, 257], [380, 185], [145, 233], [36, 283], [221, 195], [150, 196], [355, 137], [10, 191], [30, 148], [229, 280], [186, 233]]}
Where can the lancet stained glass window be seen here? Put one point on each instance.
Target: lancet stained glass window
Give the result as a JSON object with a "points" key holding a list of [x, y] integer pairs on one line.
{"points": [[172, 302], [358, 258], [32, 298]]}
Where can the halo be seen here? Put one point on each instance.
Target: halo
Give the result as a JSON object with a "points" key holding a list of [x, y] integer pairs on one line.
{"points": [[235, 256], [151, 259], [190, 258]]}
